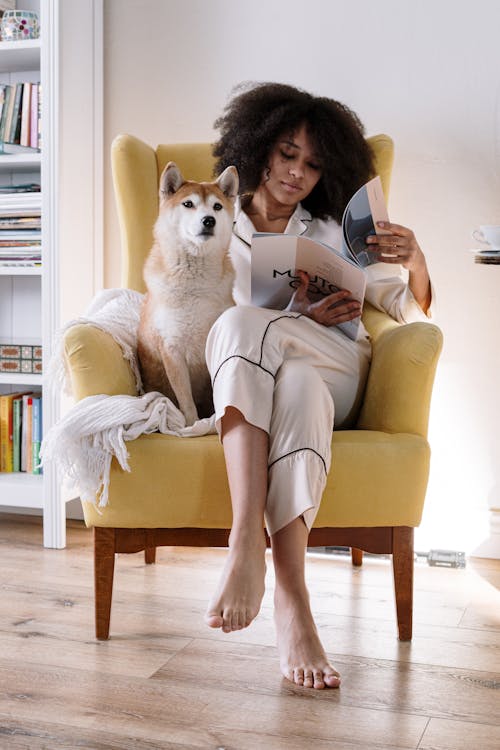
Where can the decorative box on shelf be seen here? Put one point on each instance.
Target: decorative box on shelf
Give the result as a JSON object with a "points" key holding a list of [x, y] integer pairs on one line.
{"points": [[21, 355]]}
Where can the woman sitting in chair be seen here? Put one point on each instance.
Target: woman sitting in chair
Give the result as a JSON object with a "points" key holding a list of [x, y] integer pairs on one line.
{"points": [[282, 380]]}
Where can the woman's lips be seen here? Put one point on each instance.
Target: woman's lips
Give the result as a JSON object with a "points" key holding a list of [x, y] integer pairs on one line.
{"points": [[291, 187]]}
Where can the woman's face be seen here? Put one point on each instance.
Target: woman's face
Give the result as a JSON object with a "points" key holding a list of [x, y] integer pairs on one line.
{"points": [[294, 168]]}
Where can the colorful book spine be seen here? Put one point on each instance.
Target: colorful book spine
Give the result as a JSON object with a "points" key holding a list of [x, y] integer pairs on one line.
{"points": [[29, 434], [36, 435], [24, 138], [15, 125], [17, 414], [34, 116]]}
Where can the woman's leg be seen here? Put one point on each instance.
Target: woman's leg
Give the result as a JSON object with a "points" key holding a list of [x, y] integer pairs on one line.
{"points": [[241, 587], [302, 657]]}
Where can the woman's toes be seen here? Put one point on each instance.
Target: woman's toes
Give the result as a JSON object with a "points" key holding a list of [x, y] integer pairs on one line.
{"points": [[319, 682], [214, 620], [308, 678], [298, 676], [331, 678]]}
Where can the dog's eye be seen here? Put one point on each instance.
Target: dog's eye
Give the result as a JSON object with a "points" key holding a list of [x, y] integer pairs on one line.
{"points": [[217, 207], [188, 204]]}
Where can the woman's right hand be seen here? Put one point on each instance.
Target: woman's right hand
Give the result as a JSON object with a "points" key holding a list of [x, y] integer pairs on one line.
{"points": [[330, 311]]}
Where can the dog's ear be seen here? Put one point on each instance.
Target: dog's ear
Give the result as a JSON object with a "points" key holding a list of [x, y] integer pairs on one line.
{"points": [[170, 180], [229, 182]]}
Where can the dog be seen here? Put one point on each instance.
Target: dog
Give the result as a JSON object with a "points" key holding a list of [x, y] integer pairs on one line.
{"points": [[189, 280]]}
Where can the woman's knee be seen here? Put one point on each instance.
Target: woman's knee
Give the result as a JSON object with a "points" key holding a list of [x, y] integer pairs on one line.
{"points": [[300, 389], [236, 331]]}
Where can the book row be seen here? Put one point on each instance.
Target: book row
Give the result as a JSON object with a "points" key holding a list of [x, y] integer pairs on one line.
{"points": [[20, 109], [20, 432]]}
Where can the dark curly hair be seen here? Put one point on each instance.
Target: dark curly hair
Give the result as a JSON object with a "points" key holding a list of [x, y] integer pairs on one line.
{"points": [[259, 114]]}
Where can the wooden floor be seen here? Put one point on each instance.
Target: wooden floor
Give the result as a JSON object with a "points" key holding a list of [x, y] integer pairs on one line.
{"points": [[164, 680]]}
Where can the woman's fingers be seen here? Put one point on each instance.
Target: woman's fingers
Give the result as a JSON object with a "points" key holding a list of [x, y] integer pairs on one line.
{"points": [[396, 245], [335, 308]]}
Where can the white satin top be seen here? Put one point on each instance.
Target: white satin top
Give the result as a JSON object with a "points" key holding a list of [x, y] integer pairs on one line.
{"points": [[387, 284]]}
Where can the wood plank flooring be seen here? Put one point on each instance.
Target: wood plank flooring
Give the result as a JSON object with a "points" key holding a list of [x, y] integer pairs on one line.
{"points": [[166, 681]]}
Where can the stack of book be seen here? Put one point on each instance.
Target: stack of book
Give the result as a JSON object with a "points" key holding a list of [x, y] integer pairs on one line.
{"points": [[20, 114], [20, 225], [488, 257], [20, 432]]}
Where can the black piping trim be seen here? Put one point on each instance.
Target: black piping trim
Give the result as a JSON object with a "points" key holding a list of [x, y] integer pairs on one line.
{"points": [[239, 356], [274, 320], [298, 450], [251, 362]]}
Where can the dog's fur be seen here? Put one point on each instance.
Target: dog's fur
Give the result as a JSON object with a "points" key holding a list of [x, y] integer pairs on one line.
{"points": [[189, 278]]}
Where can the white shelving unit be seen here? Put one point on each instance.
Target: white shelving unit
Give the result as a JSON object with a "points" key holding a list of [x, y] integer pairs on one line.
{"points": [[29, 296]]}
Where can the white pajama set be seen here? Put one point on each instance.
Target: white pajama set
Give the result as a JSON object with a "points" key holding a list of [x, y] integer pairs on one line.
{"points": [[293, 377]]}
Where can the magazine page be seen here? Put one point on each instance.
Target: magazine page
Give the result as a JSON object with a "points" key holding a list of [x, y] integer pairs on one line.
{"points": [[275, 260], [366, 207]]}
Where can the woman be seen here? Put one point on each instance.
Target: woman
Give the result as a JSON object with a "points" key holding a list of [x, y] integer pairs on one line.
{"points": [[282, 379]]}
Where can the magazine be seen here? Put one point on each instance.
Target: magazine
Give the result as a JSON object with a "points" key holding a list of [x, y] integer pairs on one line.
{"points": [[276, 257]]}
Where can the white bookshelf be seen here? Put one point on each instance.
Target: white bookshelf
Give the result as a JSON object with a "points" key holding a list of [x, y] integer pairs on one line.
{"points": [[29, 295]]}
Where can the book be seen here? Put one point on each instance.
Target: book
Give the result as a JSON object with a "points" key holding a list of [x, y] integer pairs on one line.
{"points": [[24, 138], [15, 123], [36, 434], [28, 445], [34, 116], [17, 413], [7, 430], [275, 258]]}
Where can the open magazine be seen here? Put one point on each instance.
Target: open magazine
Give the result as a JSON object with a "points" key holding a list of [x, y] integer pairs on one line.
{"points": [[276, 257]]}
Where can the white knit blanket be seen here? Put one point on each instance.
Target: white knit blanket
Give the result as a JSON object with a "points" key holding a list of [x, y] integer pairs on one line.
{"points": [[83, 442]]}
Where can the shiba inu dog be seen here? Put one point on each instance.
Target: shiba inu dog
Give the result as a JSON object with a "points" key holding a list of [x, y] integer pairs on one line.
{"points": [[189, 278]]}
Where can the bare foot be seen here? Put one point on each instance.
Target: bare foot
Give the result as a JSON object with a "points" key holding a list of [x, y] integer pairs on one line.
{"points": [[302, 657], [241, 587]]}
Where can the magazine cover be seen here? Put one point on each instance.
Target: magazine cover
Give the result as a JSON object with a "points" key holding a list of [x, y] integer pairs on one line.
{"points": [[275, 258]]}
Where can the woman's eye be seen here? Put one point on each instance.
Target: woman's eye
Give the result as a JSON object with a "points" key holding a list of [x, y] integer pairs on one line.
{"points": [[217, 207], [188, 204], [285, 155], [316, 167]]}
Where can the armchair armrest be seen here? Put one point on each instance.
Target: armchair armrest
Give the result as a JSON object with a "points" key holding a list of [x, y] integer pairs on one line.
{"points": [[96, 363], [398, 392]]}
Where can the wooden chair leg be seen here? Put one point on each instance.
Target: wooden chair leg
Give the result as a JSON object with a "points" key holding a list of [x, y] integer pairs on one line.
{"points": [[150, 555], [356, 556], [104, 566], [402, 564]]}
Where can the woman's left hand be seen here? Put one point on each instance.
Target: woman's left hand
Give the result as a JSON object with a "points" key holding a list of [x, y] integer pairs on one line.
{"points": [[399, 245]]}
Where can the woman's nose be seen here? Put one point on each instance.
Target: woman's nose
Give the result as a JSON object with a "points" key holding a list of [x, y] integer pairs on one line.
{"points": [[296, 170]]}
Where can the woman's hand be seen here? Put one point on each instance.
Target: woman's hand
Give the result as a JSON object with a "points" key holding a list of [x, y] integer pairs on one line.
{"points": [[399, 245], [330, 311]]}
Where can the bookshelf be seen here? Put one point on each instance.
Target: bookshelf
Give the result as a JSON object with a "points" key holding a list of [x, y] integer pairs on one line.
{"points": [[29, 295]]}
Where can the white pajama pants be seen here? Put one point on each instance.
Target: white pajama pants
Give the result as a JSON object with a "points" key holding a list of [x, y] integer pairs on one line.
{"points": [[292, 378]]}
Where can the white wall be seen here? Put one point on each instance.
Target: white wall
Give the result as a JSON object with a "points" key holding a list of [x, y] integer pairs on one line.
{"points": [[428, 74]]}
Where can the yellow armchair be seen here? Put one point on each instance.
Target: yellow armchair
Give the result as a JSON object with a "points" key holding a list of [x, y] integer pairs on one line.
{"points": [[177, 491]]}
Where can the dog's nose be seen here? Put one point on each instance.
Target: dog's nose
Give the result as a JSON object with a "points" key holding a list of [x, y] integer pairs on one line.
{"points": [[208, 222]]}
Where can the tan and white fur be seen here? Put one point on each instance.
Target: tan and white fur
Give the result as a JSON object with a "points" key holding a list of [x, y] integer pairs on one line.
{"points": [[189, 279]]}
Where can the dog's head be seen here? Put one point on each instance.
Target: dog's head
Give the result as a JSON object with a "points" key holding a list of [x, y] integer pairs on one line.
{"points": [[199, 214]]}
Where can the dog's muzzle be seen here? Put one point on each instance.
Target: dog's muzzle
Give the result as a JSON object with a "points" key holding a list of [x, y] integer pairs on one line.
{"points": [[208, 223]]}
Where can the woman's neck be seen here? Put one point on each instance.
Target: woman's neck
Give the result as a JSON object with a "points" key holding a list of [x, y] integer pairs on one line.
{"points": [[266, 214]]}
